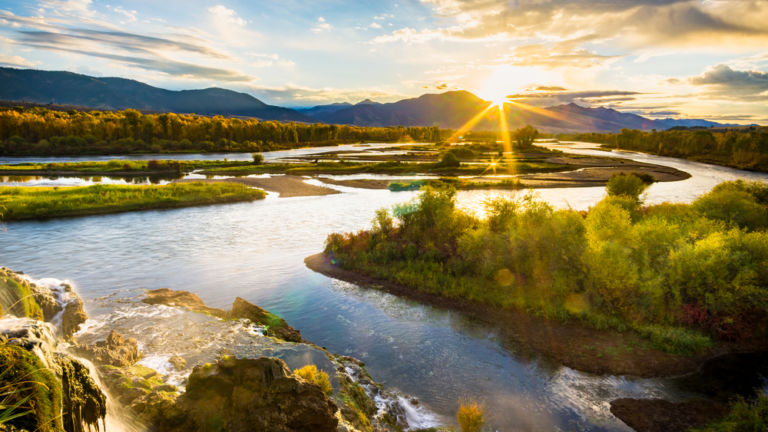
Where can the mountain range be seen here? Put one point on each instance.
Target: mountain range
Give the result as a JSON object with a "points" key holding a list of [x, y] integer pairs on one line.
{"points": [[450, 110]]}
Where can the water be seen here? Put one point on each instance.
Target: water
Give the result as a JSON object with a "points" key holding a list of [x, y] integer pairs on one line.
{"points": [[256, 251], [280, 154]]}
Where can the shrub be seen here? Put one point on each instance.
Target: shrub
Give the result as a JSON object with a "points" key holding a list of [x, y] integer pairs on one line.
{"points": [[311, 374], [258, 158], [449, 160], [470, 417], [631, 185], [743, 417]]}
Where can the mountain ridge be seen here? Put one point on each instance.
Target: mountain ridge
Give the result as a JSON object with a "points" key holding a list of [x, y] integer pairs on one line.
{"points": [[450, 110]]}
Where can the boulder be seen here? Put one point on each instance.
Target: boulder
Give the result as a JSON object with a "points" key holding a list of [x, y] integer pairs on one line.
{"points": [[183, 299], [116, 350], [253, 395], [276, 326]]}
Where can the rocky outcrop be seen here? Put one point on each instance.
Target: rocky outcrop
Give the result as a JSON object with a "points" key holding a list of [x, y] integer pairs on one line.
{"points": [[275, 326], [143, 391], [116, 350], [183, 299], [252, 395], [57, 303], [657, 415], [241, 309], [56, 388]]}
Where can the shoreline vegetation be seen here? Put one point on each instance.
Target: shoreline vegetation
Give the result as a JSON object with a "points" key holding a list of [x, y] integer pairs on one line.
{"points": [[23, 203], [743, 148], [622, 289], [38, 131]]}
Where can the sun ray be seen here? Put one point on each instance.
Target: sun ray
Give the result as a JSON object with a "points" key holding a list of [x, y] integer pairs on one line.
{"points": [[505, 139], [469, 124]]}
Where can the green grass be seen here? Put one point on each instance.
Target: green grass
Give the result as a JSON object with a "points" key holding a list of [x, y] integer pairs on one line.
{"points": [[345, 167], [42, 203], [114, 166], [743, 417]]}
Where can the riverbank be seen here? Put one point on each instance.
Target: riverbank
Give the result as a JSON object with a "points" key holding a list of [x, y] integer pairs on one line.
{"points": [[571, 344], [621, 300], [285, 185], [20, 203], [117, 167]]}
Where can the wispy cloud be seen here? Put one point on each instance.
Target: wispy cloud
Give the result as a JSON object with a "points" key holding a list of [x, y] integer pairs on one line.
{"points": [[321, 26]]}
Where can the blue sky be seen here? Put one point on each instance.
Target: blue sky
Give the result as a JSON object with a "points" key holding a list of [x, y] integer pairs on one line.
{"points": [[661, 58]]}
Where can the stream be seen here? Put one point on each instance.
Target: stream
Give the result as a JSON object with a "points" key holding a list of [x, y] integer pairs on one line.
{"points": [[256, 251]]}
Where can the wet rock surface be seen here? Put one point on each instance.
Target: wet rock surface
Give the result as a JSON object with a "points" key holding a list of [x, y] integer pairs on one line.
{"points": [[116, 350], [276, 326], [183, 299], [253, 395], [241, 309], [657, 415], [57, 388]]}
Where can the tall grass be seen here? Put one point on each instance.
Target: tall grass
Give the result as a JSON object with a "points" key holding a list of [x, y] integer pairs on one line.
{"points": [[40, 203]]}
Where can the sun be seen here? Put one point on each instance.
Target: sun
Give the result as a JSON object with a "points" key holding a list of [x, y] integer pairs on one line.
{"points": [[506, 80]]}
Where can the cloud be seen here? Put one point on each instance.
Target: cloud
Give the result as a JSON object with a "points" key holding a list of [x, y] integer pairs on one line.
{"points": [[375, 25], [728, 79], [115, 39], [321, 26], [293, 95], [15, 61], [633, 23], [226, 15], [156, 63], [129, 14], [559, 95]]}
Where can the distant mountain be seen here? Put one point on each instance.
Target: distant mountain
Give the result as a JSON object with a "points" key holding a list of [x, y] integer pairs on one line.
{"points": [[449, 110], [67, 88], [324, 109], [446, 110]]}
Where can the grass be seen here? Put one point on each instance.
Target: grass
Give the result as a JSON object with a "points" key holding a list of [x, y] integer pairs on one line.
{"points": [[121, 166], [744, 417], [31, 394], [391, 167], [43, 203]]}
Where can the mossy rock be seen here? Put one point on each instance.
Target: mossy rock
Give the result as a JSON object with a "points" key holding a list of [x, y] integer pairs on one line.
{"points": [[17, 296], [276, 326], [25, 377]]}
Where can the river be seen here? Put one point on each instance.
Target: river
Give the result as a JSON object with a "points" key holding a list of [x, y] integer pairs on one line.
{"points": [[256, 251]]}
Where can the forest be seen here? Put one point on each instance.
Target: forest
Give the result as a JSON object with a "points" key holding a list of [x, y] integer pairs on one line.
{"points": [[742, 148], [681, 275], [38, 131]]}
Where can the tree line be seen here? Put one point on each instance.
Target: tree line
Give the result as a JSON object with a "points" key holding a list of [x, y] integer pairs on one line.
{"points": [[739, 148], [42, 132]]}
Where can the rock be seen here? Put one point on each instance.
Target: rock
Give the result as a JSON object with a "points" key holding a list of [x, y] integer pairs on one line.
{"points": [[276, 326], [178, 362], [116, 350], [143, 392], [72, 317], [183, 299], [253, 395], [59, 304], [61, 391], [657, 415]]}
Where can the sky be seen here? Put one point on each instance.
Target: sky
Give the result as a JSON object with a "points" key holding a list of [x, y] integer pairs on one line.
{"points": [[658, 58]]}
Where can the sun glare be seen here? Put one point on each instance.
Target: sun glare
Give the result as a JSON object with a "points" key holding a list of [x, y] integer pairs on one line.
{"points": [[506, 80]]}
